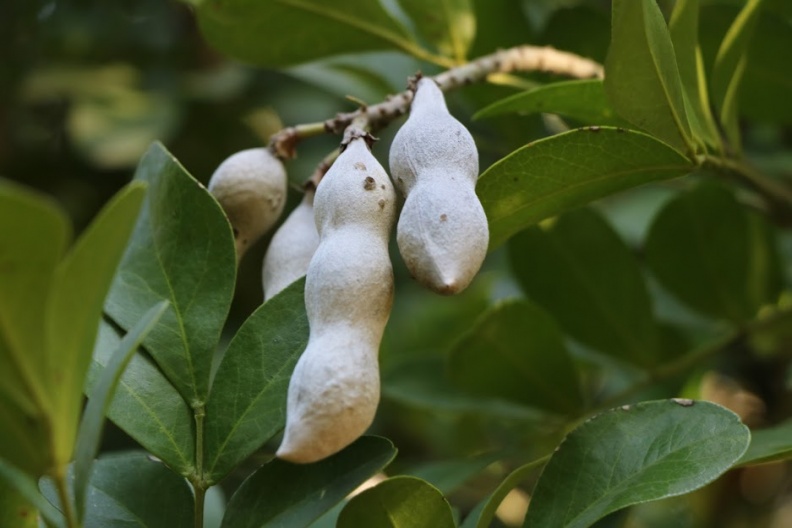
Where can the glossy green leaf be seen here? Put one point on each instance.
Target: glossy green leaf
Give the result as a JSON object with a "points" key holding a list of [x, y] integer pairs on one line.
{"points": [[283, 494], [248, 401], [581, 100], [146, 405], [711, 254], [481, 516], [286, 32], [636, 453], [586, 277], [516, 352], [33, 236], [398, 502], [683, 27], [90, 431], [182, 251], [549, 176], [730, 66], [641, 77], [449, 25], [132, 489], [74, 309], [24, 487], [769, 444]]}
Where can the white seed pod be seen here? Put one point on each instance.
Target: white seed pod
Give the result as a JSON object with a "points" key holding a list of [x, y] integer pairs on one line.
{"points": [[334, 390], [442, 233], [291, 248], [251, 188]]}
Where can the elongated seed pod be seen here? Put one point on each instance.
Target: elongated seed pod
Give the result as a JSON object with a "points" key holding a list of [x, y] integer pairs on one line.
{"points": [[334, 390], [251, 188], [442, 232], [291, 248]]}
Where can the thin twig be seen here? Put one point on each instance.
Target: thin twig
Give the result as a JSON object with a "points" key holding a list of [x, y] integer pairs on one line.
{"points": [[518, 59]]}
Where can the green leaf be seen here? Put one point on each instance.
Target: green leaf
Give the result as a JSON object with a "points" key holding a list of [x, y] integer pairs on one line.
{"points": [[182, 251], [586, 277], [398, 502], [634, 454], [25, 487], [481, 516], [283, 494], [247, 405], [581, 100], [28, 258], [516, 352], [684, 35], [549, 176], [74, 308], [729, 67], [768, 445], [132, 489], [33, 236], [90, 431], [449, 25], [705, 249], [146, 405], [286, 32], [641, 76]]}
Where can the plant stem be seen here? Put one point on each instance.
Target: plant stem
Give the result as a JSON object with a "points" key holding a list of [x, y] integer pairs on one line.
{"points": [[200, 495], [518, 59], [199, 482], [63, 496]]}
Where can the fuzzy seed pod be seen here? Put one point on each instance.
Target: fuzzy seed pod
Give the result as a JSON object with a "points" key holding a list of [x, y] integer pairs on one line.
{"points": [[334, 390], [442, 233], [251, 188], [291, 248]]}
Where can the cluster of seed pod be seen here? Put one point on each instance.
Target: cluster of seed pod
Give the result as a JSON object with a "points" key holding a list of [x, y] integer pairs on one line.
{"points": [[338, 237]]}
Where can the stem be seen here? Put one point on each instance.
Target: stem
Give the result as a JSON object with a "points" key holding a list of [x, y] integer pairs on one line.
{"points": [[63, 496], [198, 482], [200, 495], [518, 59]]}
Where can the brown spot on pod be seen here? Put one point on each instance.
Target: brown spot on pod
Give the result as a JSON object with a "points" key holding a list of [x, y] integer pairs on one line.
{"points": [[369, 183]]}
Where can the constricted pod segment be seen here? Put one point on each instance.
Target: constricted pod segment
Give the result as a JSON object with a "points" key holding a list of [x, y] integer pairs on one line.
{"points": [[442, 232], [334, 389]]}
